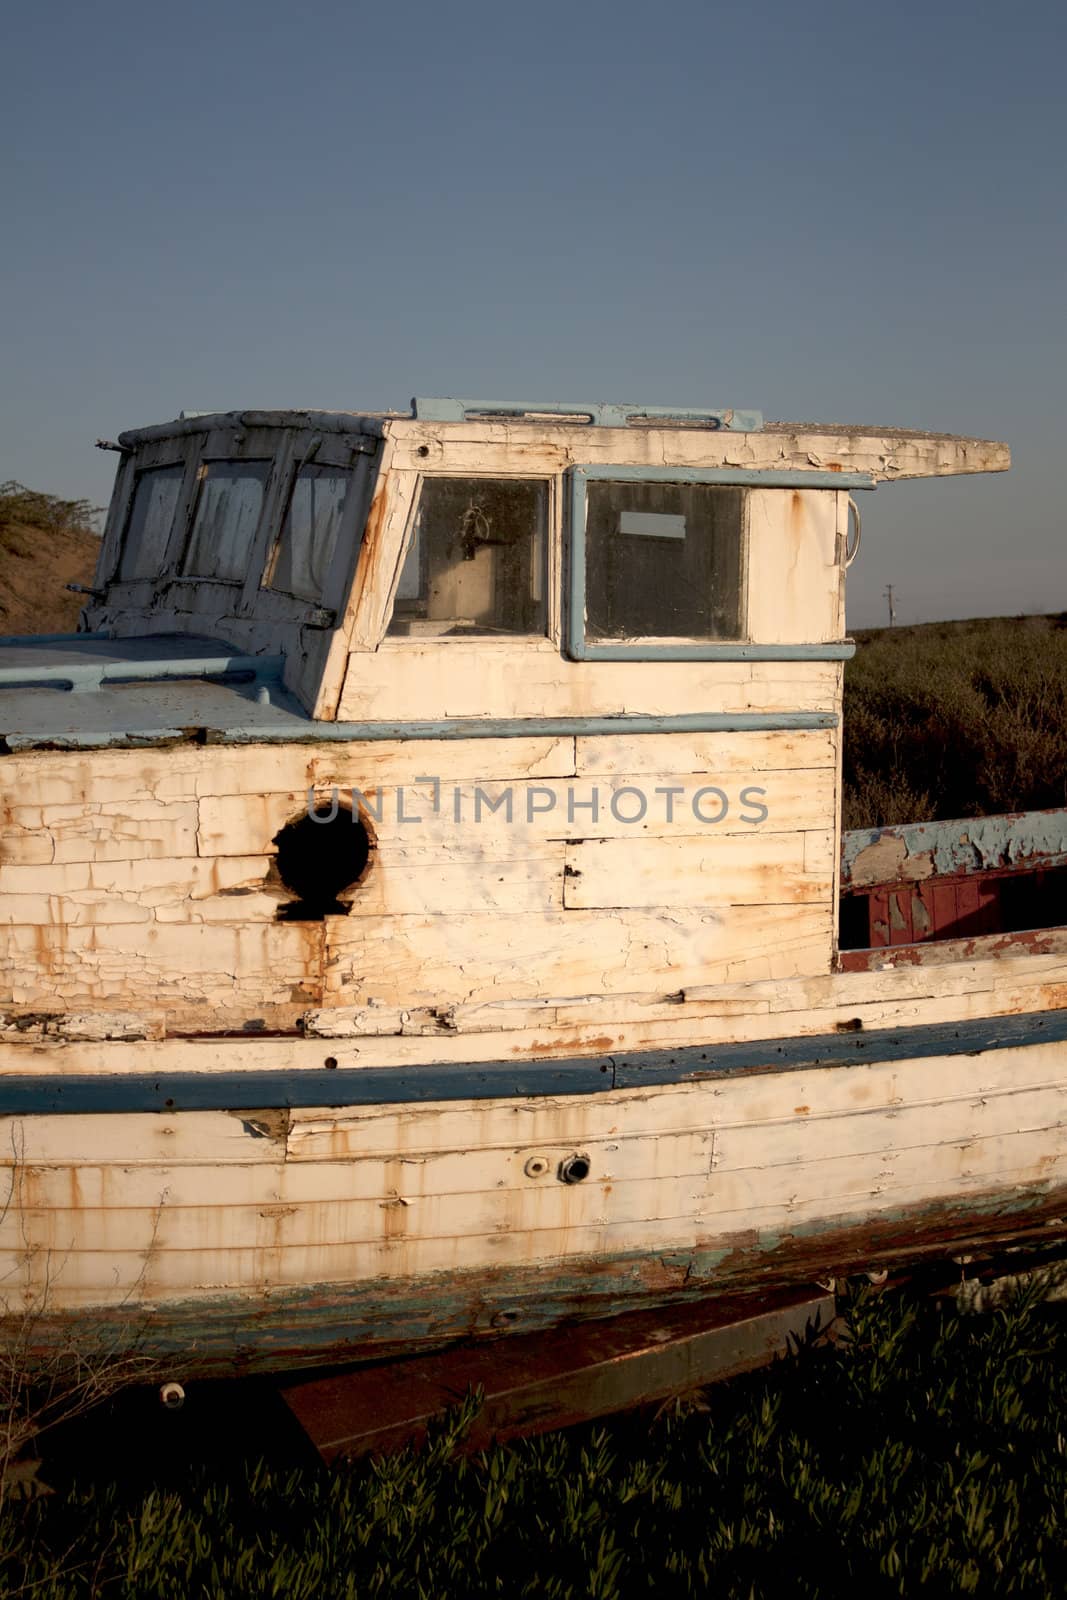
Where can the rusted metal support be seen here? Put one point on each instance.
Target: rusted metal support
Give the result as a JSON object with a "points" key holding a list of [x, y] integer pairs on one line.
{"points": [[537, 1382]]}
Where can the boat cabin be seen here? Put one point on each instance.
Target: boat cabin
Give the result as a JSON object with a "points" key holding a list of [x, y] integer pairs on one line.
{"points": [[457, 719]]}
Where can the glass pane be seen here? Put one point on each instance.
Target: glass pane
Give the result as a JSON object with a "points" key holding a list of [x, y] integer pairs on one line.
{"points": [[227, 515], [155, 499], [663, 561], [477, 559], [309, 533]]}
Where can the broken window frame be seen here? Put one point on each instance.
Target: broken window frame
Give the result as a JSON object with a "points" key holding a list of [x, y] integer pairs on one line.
{"points": [[300, 447], [292, 474], [165, 453], [547, 637], [178, 466], [286, 446], [266, 501]]}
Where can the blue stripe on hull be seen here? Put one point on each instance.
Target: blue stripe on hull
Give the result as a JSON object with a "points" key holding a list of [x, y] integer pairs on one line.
{"points": [[41, 1094]]}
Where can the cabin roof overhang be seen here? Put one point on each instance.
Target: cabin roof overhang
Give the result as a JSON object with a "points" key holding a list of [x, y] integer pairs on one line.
{"points": [[347, 422], [573, 433]]}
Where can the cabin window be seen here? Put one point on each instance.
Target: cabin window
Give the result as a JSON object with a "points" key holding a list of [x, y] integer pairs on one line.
{"points": [[476, 562], [228, 506], [305, 550], [155, 500], [663, 561]]}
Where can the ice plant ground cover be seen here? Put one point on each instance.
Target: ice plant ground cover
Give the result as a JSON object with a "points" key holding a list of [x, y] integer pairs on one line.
{"points": [[926, 1453]]}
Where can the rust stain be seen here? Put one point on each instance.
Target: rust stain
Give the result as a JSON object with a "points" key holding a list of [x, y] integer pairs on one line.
{"points": [[375, 518], [1037, 941], [550, 1047], [406, 1313], [395, 1207], [258, 1124], [802, 1111], [917, 1233]]}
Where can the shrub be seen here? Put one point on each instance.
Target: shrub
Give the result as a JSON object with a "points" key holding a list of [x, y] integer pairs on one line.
{"points": [[956, 720]]}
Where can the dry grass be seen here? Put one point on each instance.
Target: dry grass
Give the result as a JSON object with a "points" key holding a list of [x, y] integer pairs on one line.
{"points": [[45, 543]]}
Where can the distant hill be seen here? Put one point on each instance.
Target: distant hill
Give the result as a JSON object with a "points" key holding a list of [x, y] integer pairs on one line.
{"points": [[956, 719], [45, 543]]}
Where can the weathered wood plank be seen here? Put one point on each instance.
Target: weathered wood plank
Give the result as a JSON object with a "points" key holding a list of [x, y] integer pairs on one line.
{"points": [[399, 1035], [627, 756], [158, 964], [753, 870], [978, 1131], [857, 1187], [471, 957], [109, 831], [453, 678], [204, 1139], [557, 1025], [190, 889], [428, 887], [488, 446], [148, 1270], [793, 534], [470, 820], [184, 772], [416, 1213], [75, 1185]]}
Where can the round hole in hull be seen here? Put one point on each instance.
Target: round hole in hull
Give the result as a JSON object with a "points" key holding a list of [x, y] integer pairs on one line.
{"points": [[320, 855]]}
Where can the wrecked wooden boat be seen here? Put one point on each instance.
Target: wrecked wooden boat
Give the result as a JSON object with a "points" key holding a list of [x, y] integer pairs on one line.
{"points": [[420, 887]]}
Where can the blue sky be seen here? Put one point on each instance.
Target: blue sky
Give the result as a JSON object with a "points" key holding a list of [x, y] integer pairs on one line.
{"points": [[831, 212]]}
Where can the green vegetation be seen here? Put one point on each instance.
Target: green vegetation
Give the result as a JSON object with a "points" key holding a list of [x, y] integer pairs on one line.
{"points": [[956, 719], [928, 1452]]}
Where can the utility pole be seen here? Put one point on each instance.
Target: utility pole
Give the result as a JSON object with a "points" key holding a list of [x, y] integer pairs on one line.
{"points": [[888, 592]]}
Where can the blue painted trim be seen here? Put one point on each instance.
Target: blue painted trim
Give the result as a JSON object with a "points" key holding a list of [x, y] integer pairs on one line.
{"points": [[18, 639], [714, 652], [579, 647], [970, 844], [546, 727], [599, 413], [305, 731], [750, 477], [91, 675], [65, 1092]]}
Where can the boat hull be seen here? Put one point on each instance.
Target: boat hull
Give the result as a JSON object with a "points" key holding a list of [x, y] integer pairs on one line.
{"points": [[296, 1233], [238, 1335]]}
